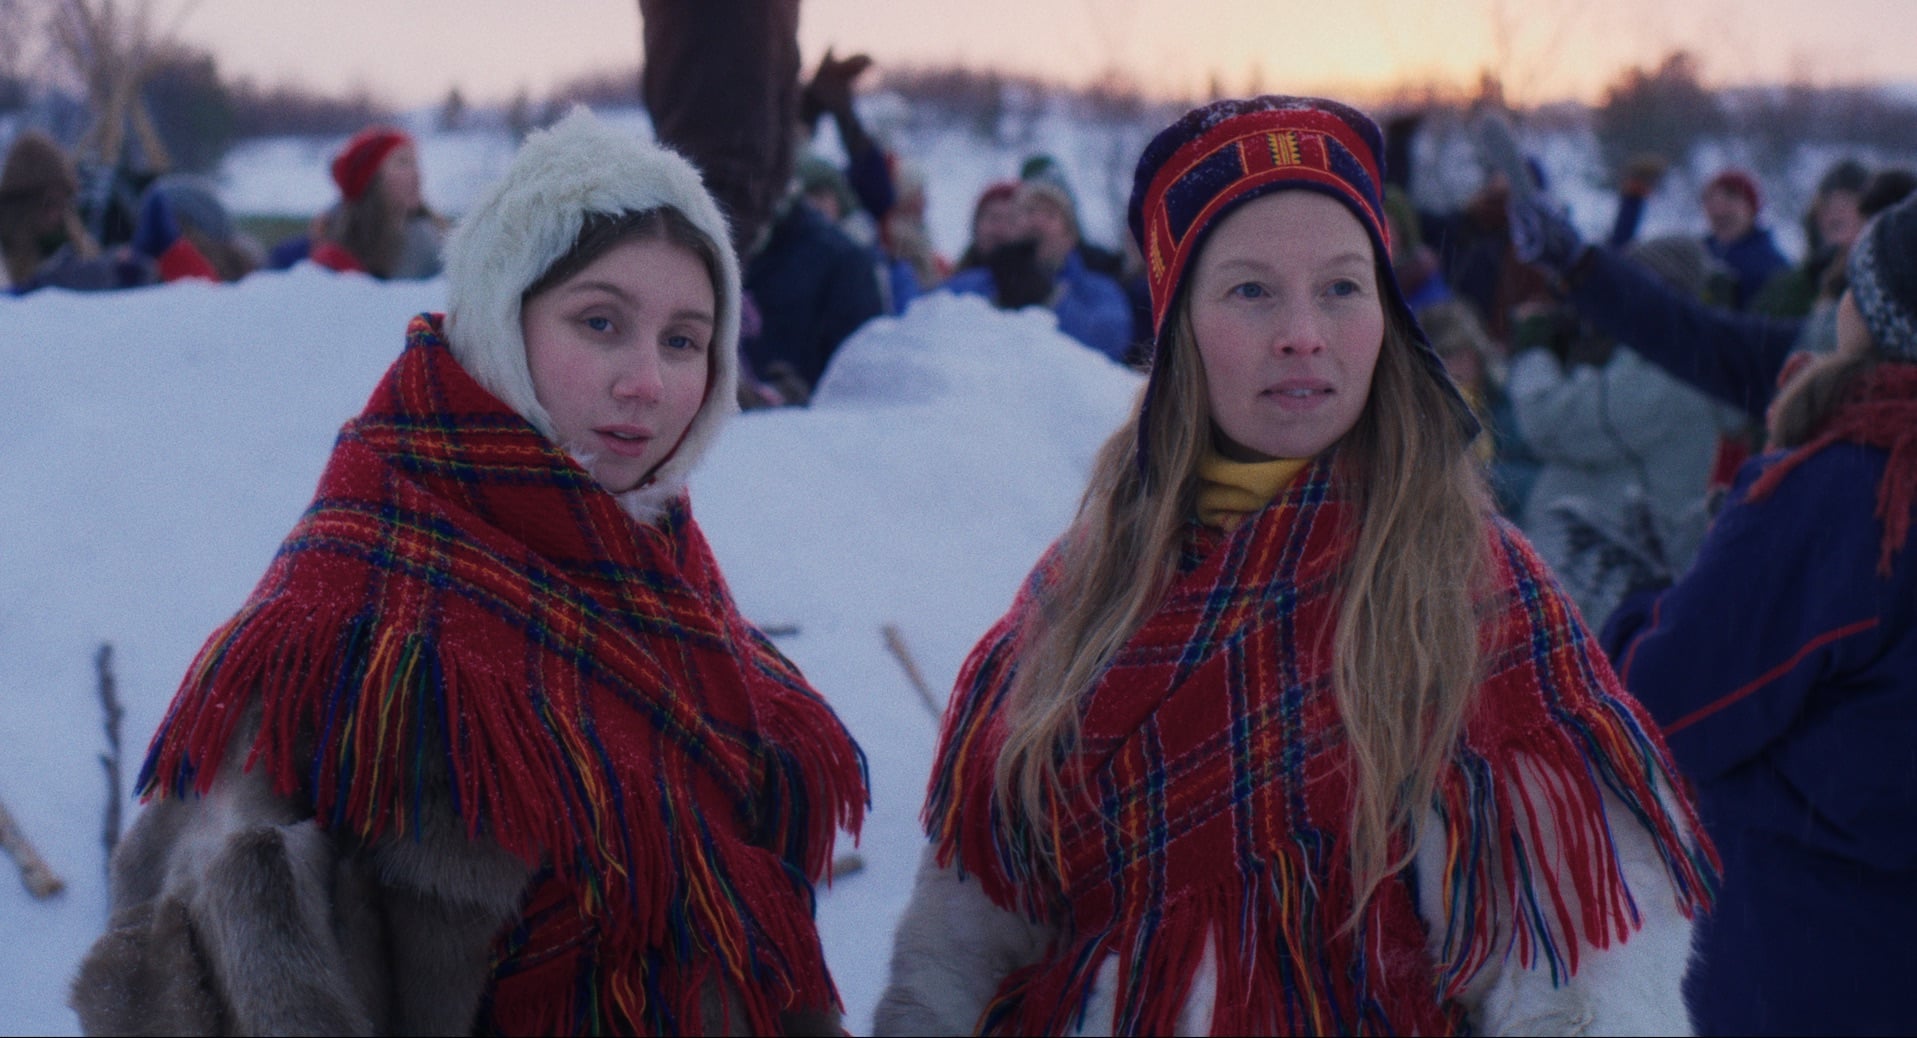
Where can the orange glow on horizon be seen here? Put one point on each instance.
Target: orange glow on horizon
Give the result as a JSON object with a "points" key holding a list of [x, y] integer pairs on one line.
{"points": [[1365, 50]]}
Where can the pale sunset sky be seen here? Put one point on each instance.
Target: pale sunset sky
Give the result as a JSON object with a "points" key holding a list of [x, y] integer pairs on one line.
{"points": [[410, 52]]}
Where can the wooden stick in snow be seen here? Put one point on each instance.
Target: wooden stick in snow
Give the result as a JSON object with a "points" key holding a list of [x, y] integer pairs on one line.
{"points": [[110, 760], [895, 641], [40, 880]]}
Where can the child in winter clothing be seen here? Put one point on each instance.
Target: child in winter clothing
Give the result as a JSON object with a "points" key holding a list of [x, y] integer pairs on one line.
{"points": [[1289, 733], [1783, 667], [490, 749]]}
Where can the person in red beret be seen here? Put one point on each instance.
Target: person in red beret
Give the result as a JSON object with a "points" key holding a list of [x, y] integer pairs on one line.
{"points": [[381, 225]]}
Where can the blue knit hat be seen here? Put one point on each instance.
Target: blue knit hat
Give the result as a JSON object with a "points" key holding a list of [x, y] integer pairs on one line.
{"points": [[1220, 156], [1883, 279]]}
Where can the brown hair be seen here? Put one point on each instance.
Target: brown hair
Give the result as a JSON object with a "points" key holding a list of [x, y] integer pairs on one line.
{"points": [[372, 228], [600, 233], [1814, 393], [1412, 583]]}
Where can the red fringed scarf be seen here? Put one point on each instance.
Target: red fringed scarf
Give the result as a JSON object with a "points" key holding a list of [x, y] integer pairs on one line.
{"points": [[1881, 411], [1219, 788], [461, 599]]}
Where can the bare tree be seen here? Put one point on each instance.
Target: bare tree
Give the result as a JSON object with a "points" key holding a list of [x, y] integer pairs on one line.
{"points": [[112, 47]]}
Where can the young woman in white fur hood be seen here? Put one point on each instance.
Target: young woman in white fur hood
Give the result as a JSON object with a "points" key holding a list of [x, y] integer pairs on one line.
{"points": [[490, 748]]}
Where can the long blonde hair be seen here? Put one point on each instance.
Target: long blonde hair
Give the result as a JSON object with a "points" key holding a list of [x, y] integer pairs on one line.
{"points": [[1405, 655]]}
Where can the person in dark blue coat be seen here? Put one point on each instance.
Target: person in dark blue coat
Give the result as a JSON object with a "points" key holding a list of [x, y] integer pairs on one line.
{"points": [[1783, 668], [813, 286]]}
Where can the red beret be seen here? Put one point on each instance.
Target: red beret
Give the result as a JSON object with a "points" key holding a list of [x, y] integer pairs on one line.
{"points": [[358, 162]]}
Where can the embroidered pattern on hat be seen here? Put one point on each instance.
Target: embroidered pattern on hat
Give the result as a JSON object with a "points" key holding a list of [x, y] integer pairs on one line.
{"points": [[1219, 168]]}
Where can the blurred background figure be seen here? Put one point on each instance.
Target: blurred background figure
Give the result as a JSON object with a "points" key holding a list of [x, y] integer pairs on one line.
{"points": [[1623, 444], [1025, 241], [381, 224], [1831, 223], [811, 286], [46, 245], [1731, 202], [205, 221], [997, 220], [1475, 365]]}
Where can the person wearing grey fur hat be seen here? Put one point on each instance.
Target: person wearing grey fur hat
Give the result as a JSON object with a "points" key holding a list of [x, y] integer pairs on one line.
{"points": [[490, 749], [1783, 666]]}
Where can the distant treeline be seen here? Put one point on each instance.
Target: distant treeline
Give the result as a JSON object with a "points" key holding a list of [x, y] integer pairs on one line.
{"points": [[1664, 110]]}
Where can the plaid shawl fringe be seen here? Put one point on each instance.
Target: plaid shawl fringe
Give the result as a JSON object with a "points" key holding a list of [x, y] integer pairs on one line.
{"points": [[1552, 732], [407, 646]]}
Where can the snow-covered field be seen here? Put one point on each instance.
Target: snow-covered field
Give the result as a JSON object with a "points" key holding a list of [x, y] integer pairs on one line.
{"points": [[159, 443]]}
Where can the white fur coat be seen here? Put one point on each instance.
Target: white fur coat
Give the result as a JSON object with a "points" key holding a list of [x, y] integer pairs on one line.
{"points": [[954, 945]]}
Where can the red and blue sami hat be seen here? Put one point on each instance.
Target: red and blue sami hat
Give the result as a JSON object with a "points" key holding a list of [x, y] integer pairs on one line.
{"points": [[1224, 154]]}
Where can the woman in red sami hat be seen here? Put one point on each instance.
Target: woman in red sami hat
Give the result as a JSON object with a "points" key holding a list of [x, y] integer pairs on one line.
{"points": [[381, 225], [1289, 733]]}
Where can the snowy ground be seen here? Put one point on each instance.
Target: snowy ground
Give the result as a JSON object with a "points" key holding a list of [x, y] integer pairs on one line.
{"points": [[160, 443]]}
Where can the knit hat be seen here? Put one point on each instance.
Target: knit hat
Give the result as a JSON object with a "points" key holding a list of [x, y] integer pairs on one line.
{"points": [[1738, 182], [815, 174], [1218, 157], [1883, 279], [1044, 168], [195, 202], [531, 218], [36, 163], [358, 162], [1048, 191]]}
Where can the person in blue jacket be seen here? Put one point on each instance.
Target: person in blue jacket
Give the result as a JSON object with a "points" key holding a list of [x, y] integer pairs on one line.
{"points": [[1782, 666], [1046, 269], [1731, 203]]}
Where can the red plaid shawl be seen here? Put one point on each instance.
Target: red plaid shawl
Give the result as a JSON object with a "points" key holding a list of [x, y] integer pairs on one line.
{"points": [[1219, 789], [461, 599]]}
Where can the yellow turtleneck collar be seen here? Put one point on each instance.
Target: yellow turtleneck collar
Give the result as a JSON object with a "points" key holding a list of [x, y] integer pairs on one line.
{"points": [[1230, 490]]}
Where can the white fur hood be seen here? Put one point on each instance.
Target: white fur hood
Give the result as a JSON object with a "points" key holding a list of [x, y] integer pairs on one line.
{"points": [[530, 219]]}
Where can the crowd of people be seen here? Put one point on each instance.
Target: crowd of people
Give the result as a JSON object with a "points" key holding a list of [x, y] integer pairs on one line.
{"points": [[179, 227], [1472, 627]]}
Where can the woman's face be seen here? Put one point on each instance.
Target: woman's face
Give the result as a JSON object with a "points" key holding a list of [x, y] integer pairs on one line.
{"points": [[1839, 217], [1287, 311], [619, 354], [399, 178]]}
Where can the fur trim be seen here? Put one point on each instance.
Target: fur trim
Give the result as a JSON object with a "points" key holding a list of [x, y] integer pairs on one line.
{"points": [[530, 218]]}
